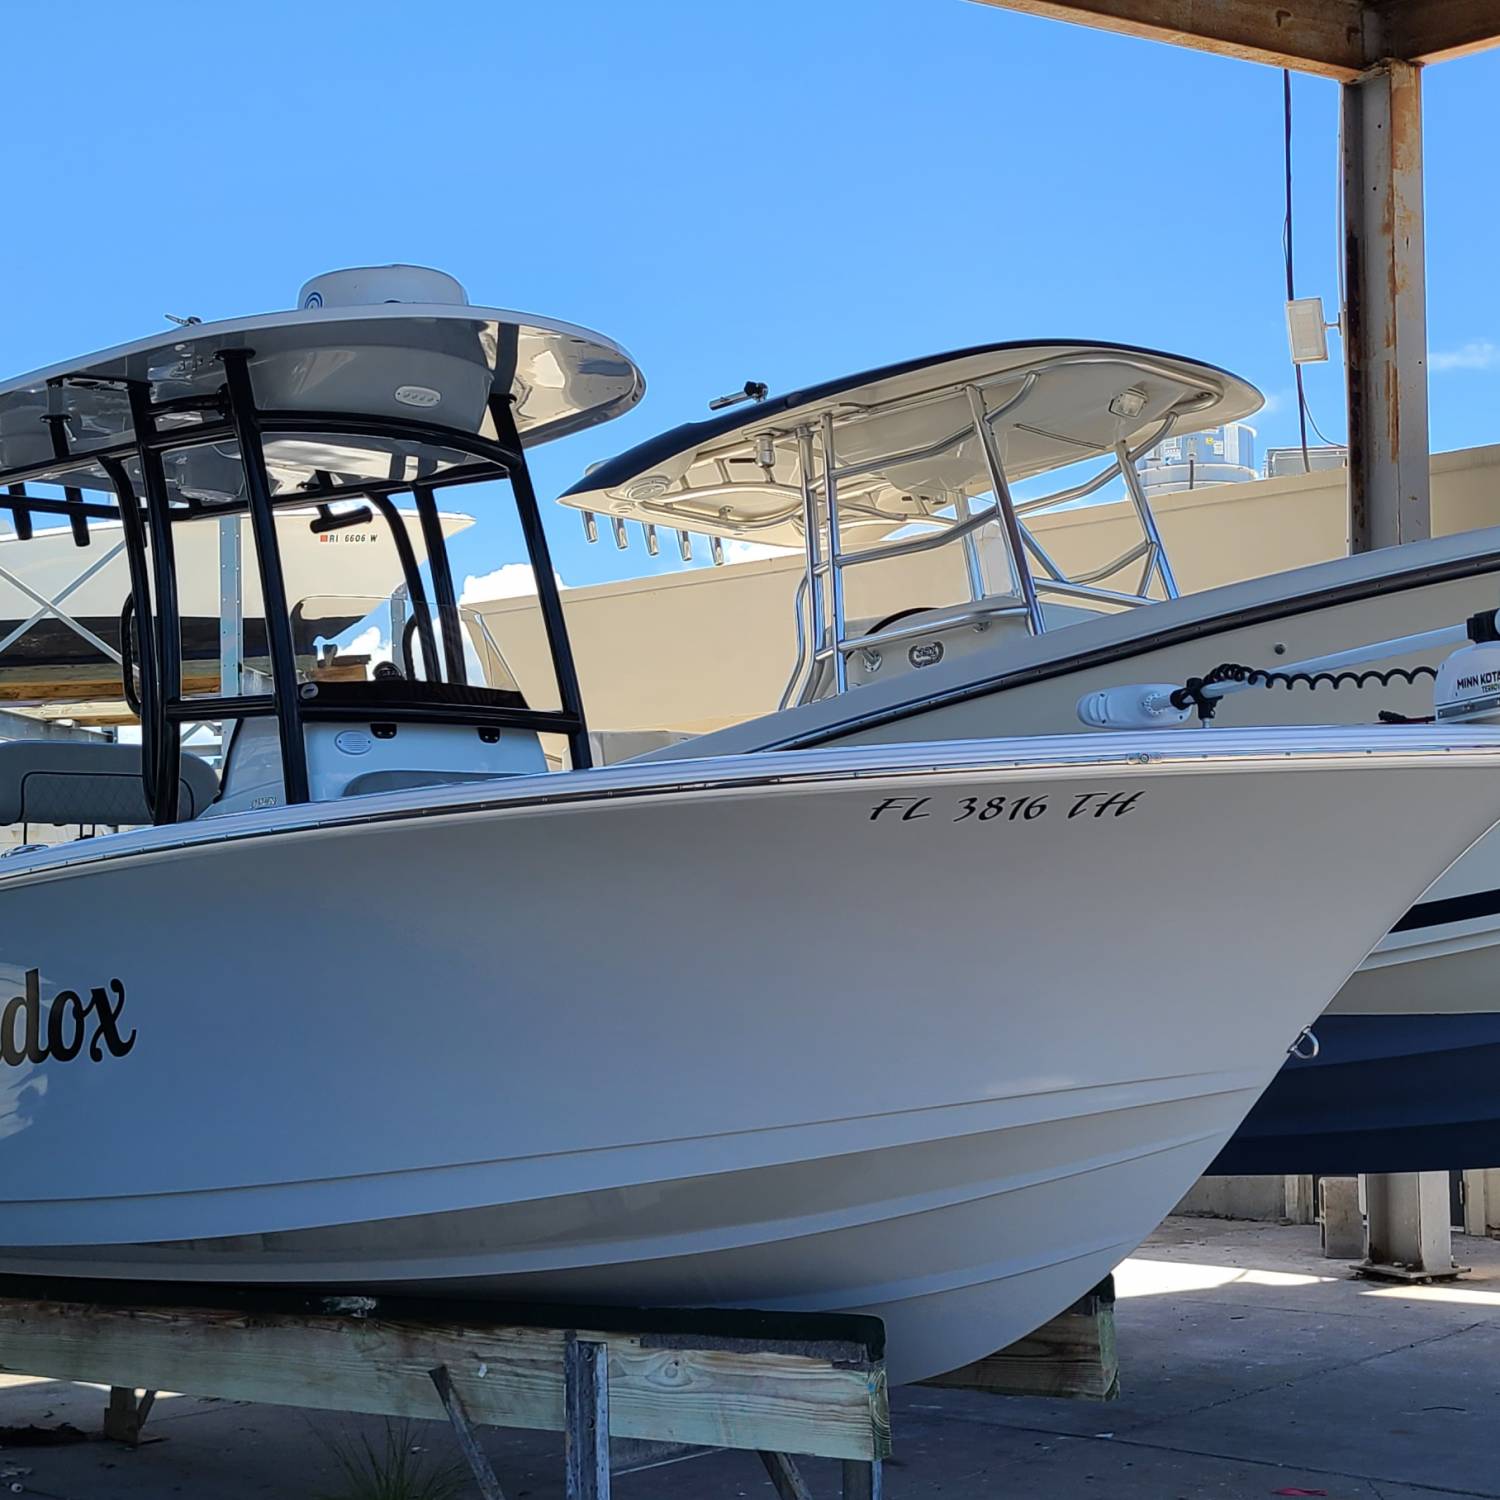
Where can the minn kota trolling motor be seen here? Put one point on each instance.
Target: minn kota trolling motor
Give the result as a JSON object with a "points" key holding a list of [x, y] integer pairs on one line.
{"points": [[1466, 687], [1468, 682]]}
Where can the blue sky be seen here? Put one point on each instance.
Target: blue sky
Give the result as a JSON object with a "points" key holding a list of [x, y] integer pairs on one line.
{"points": [[786, 191]]}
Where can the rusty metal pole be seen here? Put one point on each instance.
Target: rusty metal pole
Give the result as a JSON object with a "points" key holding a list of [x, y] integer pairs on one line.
{"points": [[1385, 328]]}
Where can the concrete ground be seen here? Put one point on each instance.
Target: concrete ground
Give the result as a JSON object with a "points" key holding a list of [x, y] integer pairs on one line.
{"points": [[1249, 1365]]}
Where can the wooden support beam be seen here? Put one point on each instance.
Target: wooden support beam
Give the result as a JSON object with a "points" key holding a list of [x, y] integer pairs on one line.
{"points": [[84, 682], [1334, 38], [1073, 1355], [1429, 31], [670, 1380], [98, 683]]}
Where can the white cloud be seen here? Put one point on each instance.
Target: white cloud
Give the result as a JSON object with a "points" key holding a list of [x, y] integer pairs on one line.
{"points": [[1477, 354], [511, 581], [738, 552], [371, 642]]}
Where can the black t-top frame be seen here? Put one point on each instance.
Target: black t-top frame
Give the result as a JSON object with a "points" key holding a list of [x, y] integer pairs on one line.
{"points": [[146, 513]]}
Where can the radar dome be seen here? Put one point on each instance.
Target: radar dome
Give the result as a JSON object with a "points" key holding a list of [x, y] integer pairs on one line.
{"points": [[366, 286]]}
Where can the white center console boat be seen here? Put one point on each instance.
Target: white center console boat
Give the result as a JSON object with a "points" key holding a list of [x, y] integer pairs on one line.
{"points": [[397, 1008], [933, 605]]}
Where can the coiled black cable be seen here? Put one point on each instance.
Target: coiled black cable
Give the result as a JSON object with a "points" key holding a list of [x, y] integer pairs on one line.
{"points": [[1192, 695]]}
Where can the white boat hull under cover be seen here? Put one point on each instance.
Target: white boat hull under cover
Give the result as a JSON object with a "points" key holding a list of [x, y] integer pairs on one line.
{"points": [[800, 1031]]}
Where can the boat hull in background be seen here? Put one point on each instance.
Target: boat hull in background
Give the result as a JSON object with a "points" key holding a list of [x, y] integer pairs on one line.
{"points": [[1408, 1054], [1384, 1094], [333, 579], [979, 1053]]}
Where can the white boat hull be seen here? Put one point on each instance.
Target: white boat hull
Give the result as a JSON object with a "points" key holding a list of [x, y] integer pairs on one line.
{"points": [[1405, 1078], [729, 1032]]}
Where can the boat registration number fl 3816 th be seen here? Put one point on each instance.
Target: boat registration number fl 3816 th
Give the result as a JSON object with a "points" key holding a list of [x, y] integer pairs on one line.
{"points": [[1075, 805], [71, 1021]]}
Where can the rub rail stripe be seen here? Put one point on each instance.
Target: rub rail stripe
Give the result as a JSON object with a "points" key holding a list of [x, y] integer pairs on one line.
{"points": [[1450, 909]]}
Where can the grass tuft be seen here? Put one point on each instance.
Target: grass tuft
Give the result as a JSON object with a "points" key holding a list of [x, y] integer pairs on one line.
{"points": [[391, 1470]]}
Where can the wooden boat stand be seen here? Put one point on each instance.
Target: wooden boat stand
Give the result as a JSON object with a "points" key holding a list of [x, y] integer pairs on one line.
{"points": [[1074, 1356], [679, 1381], [777, 1384]]}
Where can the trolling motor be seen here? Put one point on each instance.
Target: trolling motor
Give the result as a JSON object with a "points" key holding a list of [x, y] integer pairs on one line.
{"points": [[1468, 682], [1466, 686]]}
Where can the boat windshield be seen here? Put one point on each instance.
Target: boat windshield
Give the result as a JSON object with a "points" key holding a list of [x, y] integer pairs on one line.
{"points": [[350, 607], [363, 638]]}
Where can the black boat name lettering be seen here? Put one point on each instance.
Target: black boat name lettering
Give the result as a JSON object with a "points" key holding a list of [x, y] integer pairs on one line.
{"points": [[1099, 803], [1029, 808], [904, 808], [1089, 807], [70, 1021]]}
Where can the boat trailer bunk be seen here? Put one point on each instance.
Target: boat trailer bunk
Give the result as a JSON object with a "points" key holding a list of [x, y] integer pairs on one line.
{"points": [[902, 461]]}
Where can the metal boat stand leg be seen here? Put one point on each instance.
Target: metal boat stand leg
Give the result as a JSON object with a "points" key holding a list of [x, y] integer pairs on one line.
{"points": [[862, 1479], [463, 1430], [126, 1414], [586, 1418]]}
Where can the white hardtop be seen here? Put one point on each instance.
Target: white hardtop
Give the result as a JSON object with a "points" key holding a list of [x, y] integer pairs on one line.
{"points": [[1050, 404], [434, 361]]}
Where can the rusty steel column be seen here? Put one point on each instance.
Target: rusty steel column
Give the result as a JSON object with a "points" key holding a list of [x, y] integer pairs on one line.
{"points": [[1385, 328]]}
